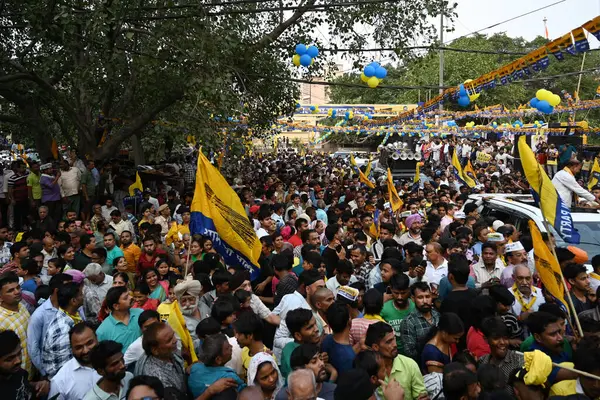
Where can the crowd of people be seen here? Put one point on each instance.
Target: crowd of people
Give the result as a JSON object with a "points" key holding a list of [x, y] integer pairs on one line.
{"points": [[350, 300]]}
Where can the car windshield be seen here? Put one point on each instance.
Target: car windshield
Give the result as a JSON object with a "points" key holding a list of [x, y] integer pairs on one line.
{"points": [[590, 237]]}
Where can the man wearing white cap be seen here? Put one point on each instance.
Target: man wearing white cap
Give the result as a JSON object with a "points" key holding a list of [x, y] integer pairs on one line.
{"points": [[528, 298], [194, 311], [164, 220], [515, 254]]}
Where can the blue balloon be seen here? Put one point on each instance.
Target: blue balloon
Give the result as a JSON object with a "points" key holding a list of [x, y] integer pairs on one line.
{"points": [[334, 113], [544, 106], [369, 71], [312, 108], [300, 49], [534, 102], [305, 60], [464, 101], [312, 51], [380, 73], [462, 91], [375, 65]]}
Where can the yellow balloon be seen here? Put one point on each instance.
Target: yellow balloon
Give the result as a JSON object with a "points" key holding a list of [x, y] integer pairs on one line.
{"points": [[554, 100], [474, 97], [373, 82], [363, 77], [583, 124], [544, 94], [296, 60]]}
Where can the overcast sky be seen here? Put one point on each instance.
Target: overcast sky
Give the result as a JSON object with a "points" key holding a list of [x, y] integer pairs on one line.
{"points": [[563, 17]]}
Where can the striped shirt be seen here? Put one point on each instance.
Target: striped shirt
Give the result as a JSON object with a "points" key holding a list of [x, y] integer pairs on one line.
{"points": [[18, 184], [18, 323]]}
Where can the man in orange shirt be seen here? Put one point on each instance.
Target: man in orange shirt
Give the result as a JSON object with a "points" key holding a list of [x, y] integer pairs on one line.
{"points": [[131, 251]]}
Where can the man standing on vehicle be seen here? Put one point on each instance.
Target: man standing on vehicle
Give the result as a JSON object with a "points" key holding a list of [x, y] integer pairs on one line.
{"points": [[566, 184]]}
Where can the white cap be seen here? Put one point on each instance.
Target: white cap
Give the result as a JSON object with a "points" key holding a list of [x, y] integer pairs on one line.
{"points": [[460, 215], [497, 224], [514, 246]]}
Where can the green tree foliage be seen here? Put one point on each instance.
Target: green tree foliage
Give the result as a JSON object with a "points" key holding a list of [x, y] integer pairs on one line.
{"points": [[94, 73], [460, 66]]}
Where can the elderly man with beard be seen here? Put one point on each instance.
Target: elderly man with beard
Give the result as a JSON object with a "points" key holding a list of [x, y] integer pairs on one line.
{"points": [[528, 298], [76, 377], [107, 360], [414, 223], [515, 254], [194, 311]]}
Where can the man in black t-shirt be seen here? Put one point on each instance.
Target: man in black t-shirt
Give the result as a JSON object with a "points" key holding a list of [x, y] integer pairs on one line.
{"points": [[14, 382]]}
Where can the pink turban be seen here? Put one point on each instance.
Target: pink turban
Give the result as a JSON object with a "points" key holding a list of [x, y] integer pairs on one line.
{"points": [[411, 219]]}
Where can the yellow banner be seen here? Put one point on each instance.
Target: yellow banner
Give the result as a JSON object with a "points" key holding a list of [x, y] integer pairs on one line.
{"points": [[395, 200]]}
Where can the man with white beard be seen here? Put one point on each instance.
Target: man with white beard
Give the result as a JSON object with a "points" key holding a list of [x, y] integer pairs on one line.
{"points": [[194, 311]]}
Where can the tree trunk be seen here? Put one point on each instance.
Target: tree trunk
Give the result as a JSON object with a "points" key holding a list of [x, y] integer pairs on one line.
{"points": [[138, 151]]}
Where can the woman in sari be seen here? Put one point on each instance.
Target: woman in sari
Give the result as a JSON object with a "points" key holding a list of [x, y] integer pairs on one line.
{"points": [[157, 290], [263, 372]]}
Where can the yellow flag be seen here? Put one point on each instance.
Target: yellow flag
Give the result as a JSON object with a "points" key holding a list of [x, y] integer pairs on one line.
{"points": [[547, 266], [218, 213], [54, 149], [417, 178], [171, 314], [136, 185], [460, 175], [352, 160], [368, 170], [469, 168], [594, 175], [362, 177], [173, 232], [395, 200], [546, 196]]}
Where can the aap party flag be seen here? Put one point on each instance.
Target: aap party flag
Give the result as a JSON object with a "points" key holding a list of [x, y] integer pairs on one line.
{"points": [[545, 195], [547, 266], [217, 212], [395, 200], [460, 175], [171, 314]]}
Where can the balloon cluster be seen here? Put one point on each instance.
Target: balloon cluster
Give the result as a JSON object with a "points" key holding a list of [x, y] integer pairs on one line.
{"points": [[367, 116], [332, 113], [470, 124], [545, 101], [517, 124], [373, 74], [451, 123], [314, 109], [537, 124], [349, 115], [464, 98], [305, 56]]}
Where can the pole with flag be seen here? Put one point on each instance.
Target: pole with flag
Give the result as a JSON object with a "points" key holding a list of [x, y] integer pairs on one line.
{"points": [[417, 178], [460, 175], [217, 212], [469, 168], [554, 211], [395, 201], [361, 175], [546, 28], [594, 175]]}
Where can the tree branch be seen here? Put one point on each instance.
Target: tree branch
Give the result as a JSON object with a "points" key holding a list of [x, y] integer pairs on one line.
{"points": [[139, 123], [281, 28], [14, 77]]}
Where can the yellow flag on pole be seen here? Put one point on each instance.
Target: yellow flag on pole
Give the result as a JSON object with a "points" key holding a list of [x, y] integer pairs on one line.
{"points": [[368, 170], [594, 175], [395, 200], [469, 168], [547, 266], [460, 175], [171, 314], [218, 213], [136, 185]]}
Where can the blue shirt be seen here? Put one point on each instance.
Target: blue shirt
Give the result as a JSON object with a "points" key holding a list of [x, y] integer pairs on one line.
{"points": [[202, 377], [446, 287], [341, 356], [36, 331], [29, 286], [111, 329], [111, 255]]}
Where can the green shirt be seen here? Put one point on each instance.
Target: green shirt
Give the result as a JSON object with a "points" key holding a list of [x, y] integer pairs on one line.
{"points": [[527, 343], [33, 181], [87, 179], [406, 372], [111, 329], [286, 354], [394, 316]]}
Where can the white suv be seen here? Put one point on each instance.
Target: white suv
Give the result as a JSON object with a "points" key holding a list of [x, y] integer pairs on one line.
{"points": [[518, 209]]}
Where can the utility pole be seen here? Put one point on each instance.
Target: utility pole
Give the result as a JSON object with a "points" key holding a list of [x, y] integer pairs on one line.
{"points": [[441, 55]]}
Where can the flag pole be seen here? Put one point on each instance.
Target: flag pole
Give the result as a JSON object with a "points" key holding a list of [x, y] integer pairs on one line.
{"points": [[553, 250]]}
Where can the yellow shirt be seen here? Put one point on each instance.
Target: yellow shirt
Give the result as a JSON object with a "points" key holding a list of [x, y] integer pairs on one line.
{"points": [[18, 322], [246, 357]]}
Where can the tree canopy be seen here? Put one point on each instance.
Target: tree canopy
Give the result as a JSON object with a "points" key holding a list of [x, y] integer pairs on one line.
{"points": [[95, 73]]}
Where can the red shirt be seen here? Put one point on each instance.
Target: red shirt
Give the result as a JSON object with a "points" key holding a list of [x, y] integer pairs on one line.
{"points": [[150, 304], [295, 241], [146, 261], [476, 343]]}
